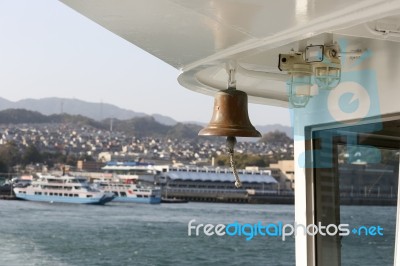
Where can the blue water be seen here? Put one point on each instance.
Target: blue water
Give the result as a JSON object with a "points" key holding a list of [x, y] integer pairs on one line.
{"points": [[137, 234], [364, 249]]}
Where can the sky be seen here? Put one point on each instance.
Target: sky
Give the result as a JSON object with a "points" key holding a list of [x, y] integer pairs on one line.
{"points": [[50, 50]]}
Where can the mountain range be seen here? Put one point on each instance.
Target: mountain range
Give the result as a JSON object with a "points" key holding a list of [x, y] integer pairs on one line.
{"points": [[102, 111], [145, 126]]}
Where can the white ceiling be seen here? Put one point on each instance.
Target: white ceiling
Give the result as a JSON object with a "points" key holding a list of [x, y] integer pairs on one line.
{"points": [[200, 37]]}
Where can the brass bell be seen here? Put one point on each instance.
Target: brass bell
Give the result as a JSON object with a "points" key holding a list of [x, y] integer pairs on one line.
{"points": [[230, 117]]}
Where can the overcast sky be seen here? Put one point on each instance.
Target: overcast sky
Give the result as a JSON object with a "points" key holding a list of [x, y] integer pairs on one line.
{"points": [[49, 50]]}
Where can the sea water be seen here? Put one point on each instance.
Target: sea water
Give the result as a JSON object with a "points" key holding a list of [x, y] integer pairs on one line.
{"points": [[34, 233]]}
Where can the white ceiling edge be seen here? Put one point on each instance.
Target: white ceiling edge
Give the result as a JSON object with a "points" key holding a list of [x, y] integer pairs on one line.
{"points": [[351, 16], [194, 74]]}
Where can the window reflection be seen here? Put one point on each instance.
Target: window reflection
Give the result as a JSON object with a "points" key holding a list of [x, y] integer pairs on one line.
{"points": [[357, 186]]}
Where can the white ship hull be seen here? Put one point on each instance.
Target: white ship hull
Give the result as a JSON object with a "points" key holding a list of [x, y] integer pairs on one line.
{"points": [[63, 189]]}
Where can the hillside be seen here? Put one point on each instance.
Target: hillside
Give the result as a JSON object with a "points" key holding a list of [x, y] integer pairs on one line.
{"points": [[143, 126], [22, 116], [95, 111], [275, 127], [104, 111]]}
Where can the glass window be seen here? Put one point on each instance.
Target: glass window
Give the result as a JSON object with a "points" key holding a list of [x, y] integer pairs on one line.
{"points": [[356, 173]]}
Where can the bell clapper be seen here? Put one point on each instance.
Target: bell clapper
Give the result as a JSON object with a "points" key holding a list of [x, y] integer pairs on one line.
{"points": [[231, 142]]}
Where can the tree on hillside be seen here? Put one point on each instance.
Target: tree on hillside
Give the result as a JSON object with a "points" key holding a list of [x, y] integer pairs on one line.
{"points": [[3, 167], [32, 155], [9, 155], [184, 131], [276, 137]]}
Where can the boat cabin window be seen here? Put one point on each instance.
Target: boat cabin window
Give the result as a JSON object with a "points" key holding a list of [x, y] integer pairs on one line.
{"points": [[356, 173]]}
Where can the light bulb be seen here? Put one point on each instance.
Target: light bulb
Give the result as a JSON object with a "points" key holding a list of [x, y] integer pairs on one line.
{"points": [[299, 89], [299, 83], [327, 77]]}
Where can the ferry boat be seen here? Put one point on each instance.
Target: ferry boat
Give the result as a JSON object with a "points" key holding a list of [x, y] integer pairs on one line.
{"points": [[130, 192], [124, 182], [62, 189]]}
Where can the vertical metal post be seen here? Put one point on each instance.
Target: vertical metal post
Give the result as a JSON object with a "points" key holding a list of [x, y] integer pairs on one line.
{"points": [[397, 238]]}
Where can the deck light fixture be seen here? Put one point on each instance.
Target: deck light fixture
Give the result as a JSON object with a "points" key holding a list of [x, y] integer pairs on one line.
{"points": [[318, 62], [327, 72], [299, 83]]}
